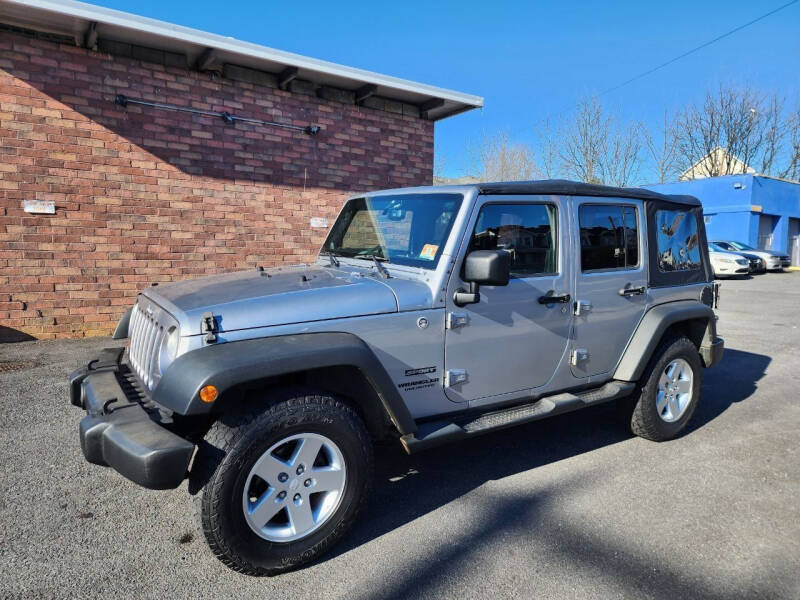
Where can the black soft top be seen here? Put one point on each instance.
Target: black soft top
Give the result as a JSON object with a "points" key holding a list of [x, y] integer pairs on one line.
{"points": [[562, 187]]}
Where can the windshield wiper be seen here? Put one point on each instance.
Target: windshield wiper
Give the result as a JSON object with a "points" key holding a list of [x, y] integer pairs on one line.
{"points": [[377, 260], [332, 256]]}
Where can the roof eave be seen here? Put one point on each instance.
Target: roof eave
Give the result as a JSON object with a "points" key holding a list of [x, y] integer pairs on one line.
{"points": [[72, 18]]}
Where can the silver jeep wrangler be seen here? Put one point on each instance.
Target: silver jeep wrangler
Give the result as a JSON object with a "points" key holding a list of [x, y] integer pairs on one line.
{"points": [[431, 315]]}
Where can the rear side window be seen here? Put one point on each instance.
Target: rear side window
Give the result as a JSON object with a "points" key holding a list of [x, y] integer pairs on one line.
{"points": [[676, 237], [609, 237], [527, 231]]}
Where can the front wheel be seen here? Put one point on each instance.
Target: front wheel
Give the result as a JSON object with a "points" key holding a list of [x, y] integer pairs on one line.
{"points": [[669, 391], [280, 485]]}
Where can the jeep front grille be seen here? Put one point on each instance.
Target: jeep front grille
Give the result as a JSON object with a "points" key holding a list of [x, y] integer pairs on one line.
{"points": [[145, 335]]}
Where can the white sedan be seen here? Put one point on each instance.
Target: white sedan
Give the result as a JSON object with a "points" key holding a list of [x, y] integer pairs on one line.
{"points": [[727, 264], [773, 261]]}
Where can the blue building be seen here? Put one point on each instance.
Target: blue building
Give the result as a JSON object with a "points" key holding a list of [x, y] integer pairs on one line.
{"points": [[760, 211]]}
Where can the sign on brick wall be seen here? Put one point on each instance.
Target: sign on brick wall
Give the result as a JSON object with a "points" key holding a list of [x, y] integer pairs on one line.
{"points": [[39, 207]]}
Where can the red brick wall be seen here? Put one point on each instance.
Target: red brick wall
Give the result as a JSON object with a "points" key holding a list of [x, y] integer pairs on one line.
{"points": [[145, 195]]}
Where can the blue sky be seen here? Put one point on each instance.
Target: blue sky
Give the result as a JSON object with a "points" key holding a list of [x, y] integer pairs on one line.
{"points": [[529, 60]]}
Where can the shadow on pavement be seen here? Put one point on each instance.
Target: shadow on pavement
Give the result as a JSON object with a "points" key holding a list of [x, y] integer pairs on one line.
{"points": [[507, 519], [9, 334], [408, 487], [733, 380]]}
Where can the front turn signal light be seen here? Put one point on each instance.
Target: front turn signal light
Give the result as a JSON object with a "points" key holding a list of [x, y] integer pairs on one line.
{"points": [[208, 394]]}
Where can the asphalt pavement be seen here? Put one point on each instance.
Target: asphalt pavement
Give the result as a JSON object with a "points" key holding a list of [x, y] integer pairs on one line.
{"points": [[571, 507]]}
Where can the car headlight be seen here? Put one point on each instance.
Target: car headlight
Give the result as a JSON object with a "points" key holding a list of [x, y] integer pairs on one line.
{"points": [[741, 261], [168, 350]]}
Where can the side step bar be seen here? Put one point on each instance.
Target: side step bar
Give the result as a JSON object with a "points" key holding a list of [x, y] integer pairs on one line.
{"points": [[435, 433]]}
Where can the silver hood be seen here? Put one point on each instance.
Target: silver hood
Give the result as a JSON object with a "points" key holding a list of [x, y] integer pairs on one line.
{"points": [[280, 296]]}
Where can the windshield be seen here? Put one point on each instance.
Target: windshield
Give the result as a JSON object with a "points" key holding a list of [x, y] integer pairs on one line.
{"points": [[741, 246], [406, 229]]}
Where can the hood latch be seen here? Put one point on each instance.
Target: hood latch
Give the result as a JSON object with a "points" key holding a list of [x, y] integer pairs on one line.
{"points": [[209, 327]]}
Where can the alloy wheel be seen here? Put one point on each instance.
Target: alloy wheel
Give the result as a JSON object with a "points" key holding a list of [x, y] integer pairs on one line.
{"points": [[675, 388], [294, 487]]}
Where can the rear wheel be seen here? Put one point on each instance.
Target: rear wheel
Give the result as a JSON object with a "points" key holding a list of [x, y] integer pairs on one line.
{"points": [[279, 486], [669, 391]]}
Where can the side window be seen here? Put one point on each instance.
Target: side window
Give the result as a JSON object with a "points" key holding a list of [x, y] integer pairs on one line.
{"points": [[527, 231], [631, 236], [609, 237], [677, 241]]}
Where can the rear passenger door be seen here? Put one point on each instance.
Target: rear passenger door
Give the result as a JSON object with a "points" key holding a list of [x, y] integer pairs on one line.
{"points": [[611, 282]]}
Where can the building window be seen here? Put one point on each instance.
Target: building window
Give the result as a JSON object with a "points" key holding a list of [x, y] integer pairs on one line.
{"points": [[527, 231], [609, 237], [678, 244]]}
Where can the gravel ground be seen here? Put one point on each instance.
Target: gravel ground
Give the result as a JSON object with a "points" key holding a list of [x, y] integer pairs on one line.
{"points": [[563, 508]]}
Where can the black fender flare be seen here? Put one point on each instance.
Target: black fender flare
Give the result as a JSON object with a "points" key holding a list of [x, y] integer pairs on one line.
{"points": [[234, 363], [651, 330]]}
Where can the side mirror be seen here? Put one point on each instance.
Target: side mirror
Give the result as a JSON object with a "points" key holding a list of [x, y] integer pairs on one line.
{"points": [[483, 267]]}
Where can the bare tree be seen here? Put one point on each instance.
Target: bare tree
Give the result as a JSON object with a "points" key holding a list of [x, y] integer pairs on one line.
{"points": [[732, 130], [584, 137], [698, 138], [496, 158], [791, 168], [548, 154], [596, 148], [622, 161], [439, 163], [725, 134], [662, 149], [771, 133]]}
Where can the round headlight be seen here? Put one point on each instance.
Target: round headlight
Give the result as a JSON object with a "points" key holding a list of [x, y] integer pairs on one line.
{"points": [[168, 350]]}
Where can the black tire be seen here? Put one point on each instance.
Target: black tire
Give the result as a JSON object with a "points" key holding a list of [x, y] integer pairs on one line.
{"points": [[230, 449], [640, 412]]}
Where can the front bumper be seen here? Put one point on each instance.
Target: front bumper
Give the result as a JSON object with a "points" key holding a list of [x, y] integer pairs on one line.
{"points": [[728, 272], [120, 430], [779, 263]]}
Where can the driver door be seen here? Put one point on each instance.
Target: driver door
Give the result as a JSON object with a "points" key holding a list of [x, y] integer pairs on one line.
{"points": [[510, 342]]}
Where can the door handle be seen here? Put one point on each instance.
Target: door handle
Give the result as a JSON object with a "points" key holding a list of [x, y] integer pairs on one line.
{"points": [[552, 298], [631, 291]]}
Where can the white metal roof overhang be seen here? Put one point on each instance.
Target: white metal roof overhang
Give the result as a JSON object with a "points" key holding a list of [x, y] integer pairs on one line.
{"points": [[79, 20]]}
